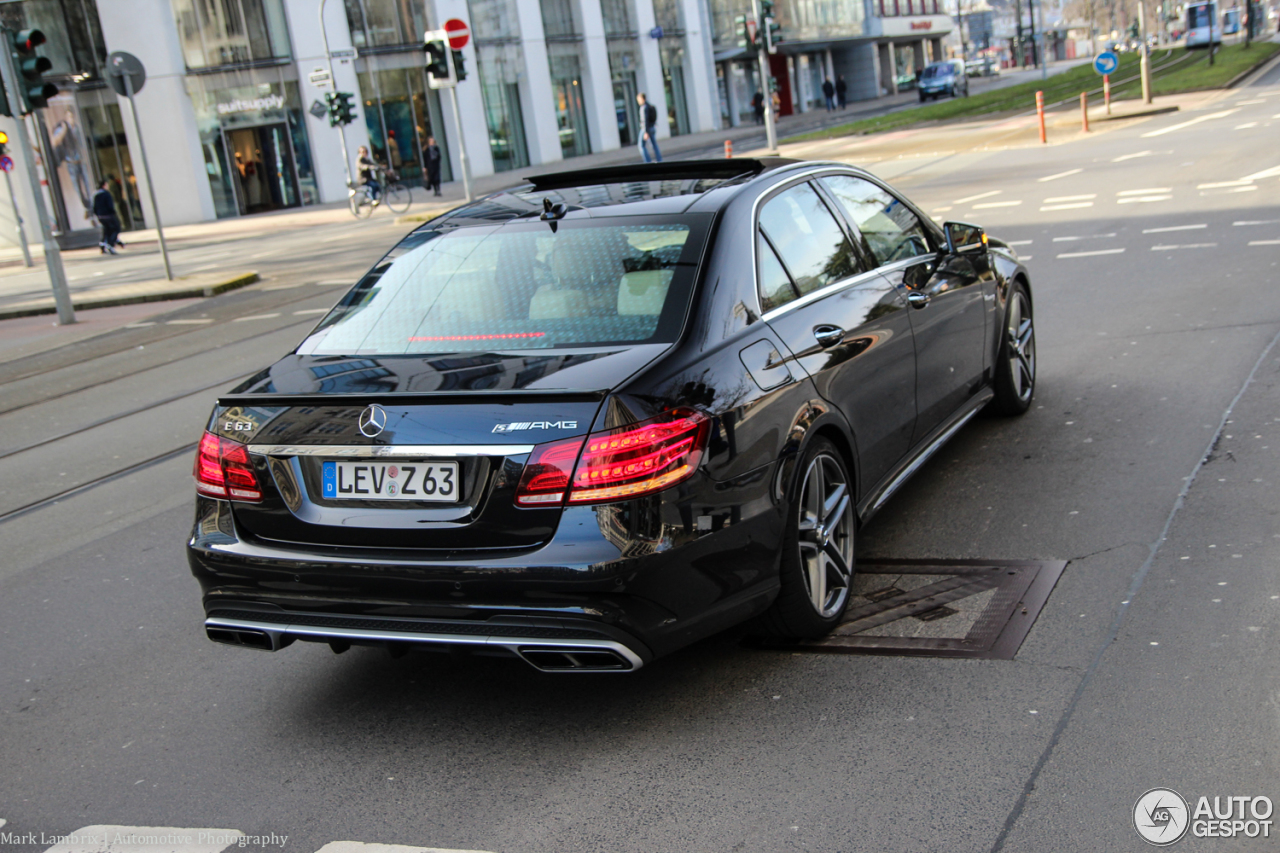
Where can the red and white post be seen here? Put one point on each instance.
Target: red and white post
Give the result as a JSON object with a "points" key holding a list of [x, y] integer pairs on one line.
{"points": [[1084, 111], [728, 149], [1040, 114], [1106, 91]]}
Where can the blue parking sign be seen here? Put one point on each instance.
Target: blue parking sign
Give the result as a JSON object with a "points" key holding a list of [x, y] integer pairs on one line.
{"points": [[1106, 62]]}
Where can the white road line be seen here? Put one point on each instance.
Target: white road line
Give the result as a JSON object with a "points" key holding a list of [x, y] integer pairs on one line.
{"points": [[147, 839], [1245, 189], [1171, 128], [1174, 228], [256, 317], [970, 198], [285, 286], [361, 847], [1246, 125], [1219, 184], [311, 311], [1183, 246], [187, 322], [1124, 157], [1024, 257], [138, 325], [1137, 199], [1072, 206], [991, 204], [1059, 198], [1091, 254], [1019, 242], [332, 281], [1264, 242], [1265, 173], [1239, 222], [941, 209], [1059, 175], [1254, 101], [1147, 191], [1084, 237]]}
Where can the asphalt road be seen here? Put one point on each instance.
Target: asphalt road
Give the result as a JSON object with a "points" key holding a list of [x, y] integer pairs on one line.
{"points": [[1146, 461]]}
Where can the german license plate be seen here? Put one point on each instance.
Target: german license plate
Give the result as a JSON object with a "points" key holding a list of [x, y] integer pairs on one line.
{"points": [[390, 481]]}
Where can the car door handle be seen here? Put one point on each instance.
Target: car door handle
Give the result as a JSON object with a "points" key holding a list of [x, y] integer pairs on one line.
{"points": [[828, 336], [916, 299]]}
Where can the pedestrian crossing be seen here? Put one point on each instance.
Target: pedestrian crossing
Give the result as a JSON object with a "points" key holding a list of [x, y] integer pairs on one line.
{"points": [[105, 838]]}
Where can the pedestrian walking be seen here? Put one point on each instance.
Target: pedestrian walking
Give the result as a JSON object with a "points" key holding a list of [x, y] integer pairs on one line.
{"points": [[757, 107], [649, 121], [829, 92], [431, 153], [104, 209], [842, 90]]}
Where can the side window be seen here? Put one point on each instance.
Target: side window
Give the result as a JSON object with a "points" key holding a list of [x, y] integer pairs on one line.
{"points": [[809, 241], [775, 284], [891, 230]]}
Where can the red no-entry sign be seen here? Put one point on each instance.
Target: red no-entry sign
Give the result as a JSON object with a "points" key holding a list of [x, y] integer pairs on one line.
{"points": [[457, 32]]}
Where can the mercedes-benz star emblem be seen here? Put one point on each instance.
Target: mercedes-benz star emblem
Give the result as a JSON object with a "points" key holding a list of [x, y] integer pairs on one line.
{"points": [[373, 420]]}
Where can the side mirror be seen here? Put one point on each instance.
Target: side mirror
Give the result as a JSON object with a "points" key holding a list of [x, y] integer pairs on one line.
{"points": [[964, 238]]}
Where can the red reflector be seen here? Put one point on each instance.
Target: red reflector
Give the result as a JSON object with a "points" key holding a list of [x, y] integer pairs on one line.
{"points": [[616, 464], [223, 470]]}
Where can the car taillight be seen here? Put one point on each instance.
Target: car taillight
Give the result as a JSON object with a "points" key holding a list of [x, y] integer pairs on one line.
{"points": [[616, 464], [223, 470]]}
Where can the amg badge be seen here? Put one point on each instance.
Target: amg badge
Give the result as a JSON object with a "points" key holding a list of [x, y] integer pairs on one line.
{"points": [[523, 425]]}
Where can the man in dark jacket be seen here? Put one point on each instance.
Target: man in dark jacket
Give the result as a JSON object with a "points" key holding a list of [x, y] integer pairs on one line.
{"points": [[649, 123], [104, 209], [757, 106], [829, 92], [432, 155]]}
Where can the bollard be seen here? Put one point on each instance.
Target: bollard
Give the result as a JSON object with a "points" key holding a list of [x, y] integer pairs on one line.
{"points": [[1084, 111], [1040, 114], [728, 148], [1106, 91]]}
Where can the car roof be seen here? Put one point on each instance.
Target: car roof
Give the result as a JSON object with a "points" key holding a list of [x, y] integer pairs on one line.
{"points": [[632, 189]]}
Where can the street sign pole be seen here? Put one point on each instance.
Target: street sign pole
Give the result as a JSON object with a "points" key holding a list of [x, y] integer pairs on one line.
{"points": [[146, 171], [771, 132], [52, 257], [462, 141], [455, 34], [1144, 62], [17, 215], [342, 129]]}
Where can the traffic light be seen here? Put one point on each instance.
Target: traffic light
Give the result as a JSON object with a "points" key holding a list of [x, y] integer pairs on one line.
{"points": [[4, 143], [33, 91], [772, 34], [439, 69], [341, 110], [5, 109], [459, 66]]}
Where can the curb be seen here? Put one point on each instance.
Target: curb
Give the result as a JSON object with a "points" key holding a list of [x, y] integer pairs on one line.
{"points": [[1234, 81], [84, 304], [1156, 111]]}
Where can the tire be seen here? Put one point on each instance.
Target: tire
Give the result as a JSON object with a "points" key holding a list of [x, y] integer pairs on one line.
{"points": [[361, 205], [1016, 363], [817, 559], [922, 97], [397, 198]]}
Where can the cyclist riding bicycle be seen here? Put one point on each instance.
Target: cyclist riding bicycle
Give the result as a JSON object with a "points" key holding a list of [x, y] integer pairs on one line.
{"points": [[368, 170]]}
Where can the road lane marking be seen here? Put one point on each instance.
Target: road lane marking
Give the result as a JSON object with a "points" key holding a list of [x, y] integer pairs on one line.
{"points": [[361, 847], [139, 325], [991, 204], [147, 839], [256, 317], [1059, 175], [1124, 157], [1147, 191], [1024, 257], [1174, 228], [1255, 222], [1072, 206], [187, 322], [332, 281], [1019, 242], [1254, 101], [1265, 173], [1219, 184], [285, 286], [1171, 128], [970, 198], [1059, 198], [311, 311], [1083, 237], [1246, 125], [1264, 242], [942, 209], [1245, 189], [1091, 254], [1183, 246], [1139, 199]]}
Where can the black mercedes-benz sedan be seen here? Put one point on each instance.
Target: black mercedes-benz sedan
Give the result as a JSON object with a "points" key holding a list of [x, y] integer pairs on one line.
{"points": [[607, 413]]}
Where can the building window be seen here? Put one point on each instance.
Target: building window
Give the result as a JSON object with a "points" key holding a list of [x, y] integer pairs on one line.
{"points": [[217, 33], [401, 114], [386, 23], [75, 47], [617, 19], [499, 62]]}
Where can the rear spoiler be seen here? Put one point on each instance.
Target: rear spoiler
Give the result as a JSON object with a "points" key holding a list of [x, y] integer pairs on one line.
{"points": [[500, 396]]}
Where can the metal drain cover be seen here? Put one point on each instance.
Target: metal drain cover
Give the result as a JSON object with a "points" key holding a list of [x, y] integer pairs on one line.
{"points": [[940, 608]]}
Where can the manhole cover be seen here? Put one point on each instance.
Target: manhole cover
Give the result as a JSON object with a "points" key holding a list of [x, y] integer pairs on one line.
{"points": [[941, 608]]}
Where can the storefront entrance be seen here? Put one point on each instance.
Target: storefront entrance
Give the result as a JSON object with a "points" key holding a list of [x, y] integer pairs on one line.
{"points": [[263, 167]]}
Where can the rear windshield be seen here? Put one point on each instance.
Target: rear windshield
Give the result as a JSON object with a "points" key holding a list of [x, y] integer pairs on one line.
{"points": [[520, 286]]}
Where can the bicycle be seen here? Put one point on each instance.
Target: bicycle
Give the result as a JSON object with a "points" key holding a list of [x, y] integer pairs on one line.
{"points": [[394, 195]]}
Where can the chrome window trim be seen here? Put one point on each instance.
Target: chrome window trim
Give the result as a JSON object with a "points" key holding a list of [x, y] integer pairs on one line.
{"points": [[429, 451], [814, 296]]}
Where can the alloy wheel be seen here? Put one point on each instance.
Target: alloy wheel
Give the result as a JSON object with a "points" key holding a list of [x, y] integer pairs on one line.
{"points": [[1021, 343], [826, 535]]}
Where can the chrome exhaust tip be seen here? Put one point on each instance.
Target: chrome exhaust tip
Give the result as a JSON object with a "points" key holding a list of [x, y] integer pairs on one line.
{"points": [[575, 659], [247, 638]]}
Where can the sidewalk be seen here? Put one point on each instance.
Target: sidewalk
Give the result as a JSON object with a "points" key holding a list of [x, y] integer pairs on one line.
{"points": [[708, 144]]}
